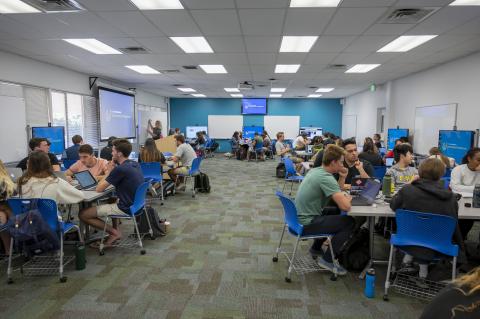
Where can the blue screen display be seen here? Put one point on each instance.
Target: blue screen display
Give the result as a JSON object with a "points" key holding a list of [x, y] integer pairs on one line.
{"points": [[395, 134], [254, 106], [455, 143], [54, 134], [117, 114], [249, 131]]}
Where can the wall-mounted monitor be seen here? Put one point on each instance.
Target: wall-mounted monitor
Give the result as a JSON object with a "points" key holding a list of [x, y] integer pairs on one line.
{"points": [[249, 131], [254, 106], [311, 131], [192, 130], [54, 134], [455, 144], [117, 114], [395, 134]]}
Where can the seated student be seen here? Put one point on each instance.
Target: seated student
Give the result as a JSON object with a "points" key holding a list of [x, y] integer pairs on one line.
{"points": [[7, 188], [235, 142], [185, 154], [257, 140], [283, 150], [377, 140], [43, 145], [317, 146], [459, 300], [150, 153], [356, 167], [106, 152], [267, 141], [200, 141], [301, 142], [370, 153], [402, 173], [435, 152], [390, 153], [316, 191], [317, 161], [427, 195], [71, 153], [126, 176], [97, 166]]}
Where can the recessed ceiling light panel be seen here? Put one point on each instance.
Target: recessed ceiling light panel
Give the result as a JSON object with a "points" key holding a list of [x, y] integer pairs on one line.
{"points": [[275, 95], [236, 95], [187, 89], [199, 95], [213, 68], [406, 43], [93, 45], [193, 44], [287, 68], [314, 95], [362, 68], [465, 3], [16, 6], [324, 90], [157, 4], [297, 44], [278, 90], [314, 3], [143, 69], [231, 90]]}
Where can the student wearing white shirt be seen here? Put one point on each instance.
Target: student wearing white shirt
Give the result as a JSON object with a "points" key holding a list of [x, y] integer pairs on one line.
{"points": [[301, 142], [185, 154]]}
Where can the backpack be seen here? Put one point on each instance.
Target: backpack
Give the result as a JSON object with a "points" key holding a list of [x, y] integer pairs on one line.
{"points": [[355, 253], [280, 170], [168, 188], [31, 234], [158, 225], [202, 183]]}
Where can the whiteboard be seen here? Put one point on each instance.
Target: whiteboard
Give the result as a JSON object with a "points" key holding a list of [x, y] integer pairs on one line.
{"points": [[349, 126], [290, 125], [142, 120], [428, 121], [223, 126], [13, 122]]}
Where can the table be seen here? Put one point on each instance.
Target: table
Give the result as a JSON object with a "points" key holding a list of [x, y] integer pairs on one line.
{"points": [[89, 198], [304, 154]]}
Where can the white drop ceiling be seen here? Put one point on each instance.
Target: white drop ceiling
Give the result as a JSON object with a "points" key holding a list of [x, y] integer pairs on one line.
{"points": [[245, 36]]}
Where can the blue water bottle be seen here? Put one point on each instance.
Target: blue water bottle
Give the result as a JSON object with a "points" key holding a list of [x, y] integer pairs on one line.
{"points": [[370, 283]]}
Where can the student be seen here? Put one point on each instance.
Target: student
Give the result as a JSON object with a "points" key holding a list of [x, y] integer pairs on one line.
{"points": [[317, 142], [370, 153], [97, 166], [177, 131], [150, 153], [106, 152], [459, 300], [283, 150], [434, 152], [155, 131], [427, 195], [43, 145], [185, 154], [377, 140], [465, 176], [317, 189], [267, 142], [356, 167], [390, 153], [200, 142], [71, 153], [7, 188], [402, 173], [126, 176], [301, 142], [235, 142], [257, 140], [317, 162]]}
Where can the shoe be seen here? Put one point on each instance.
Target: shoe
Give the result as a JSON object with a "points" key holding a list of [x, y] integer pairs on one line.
{"points": [[331, 266], [181, 187], [408, 269]]}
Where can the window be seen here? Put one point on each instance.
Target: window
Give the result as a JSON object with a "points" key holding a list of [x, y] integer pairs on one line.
{"points": [[75, 116], [58, 109]]}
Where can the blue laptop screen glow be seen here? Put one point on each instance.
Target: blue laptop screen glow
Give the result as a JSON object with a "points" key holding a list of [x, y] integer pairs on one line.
{"points": [[254, 106], [455, 143]]}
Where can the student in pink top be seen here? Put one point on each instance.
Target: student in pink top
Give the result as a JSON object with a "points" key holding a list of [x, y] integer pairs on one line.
{"points": [[88, 161]]}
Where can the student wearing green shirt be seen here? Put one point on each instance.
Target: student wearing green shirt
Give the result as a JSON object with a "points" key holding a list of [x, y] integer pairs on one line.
{"points": [[318, 190]]}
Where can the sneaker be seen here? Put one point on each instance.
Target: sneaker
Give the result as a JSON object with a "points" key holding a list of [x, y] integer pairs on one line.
{"points": [[408, 269], [330, 266]]}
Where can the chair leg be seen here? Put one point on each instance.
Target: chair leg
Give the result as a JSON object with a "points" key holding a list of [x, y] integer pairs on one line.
{"points": [[100, 248], [292, 260], [389, 269], [139, 237], [275, 258], [9, 269], [150, 230], [161, 190], [334, 260], [62, 278], [454, 268], [284, 185], [193, 186], [291, 188]]}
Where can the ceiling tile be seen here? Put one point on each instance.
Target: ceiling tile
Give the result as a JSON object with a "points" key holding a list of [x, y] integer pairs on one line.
{"points": [[332, 43], [159, 45], [226, 44], [217, 22], [445, 20], [132, 23], [262, 44], [379, 58], [262, 3], [209, 4], [369, 43], [239, 69], [261, 58], [350, 58], [174, 23], [107, 5], [388, 29], [221, 58], [471, 27], [262, 21], [366, 3], [320, 58], [353, 21], [19, 29], [306, 22], [443, 42], [423, 3]]}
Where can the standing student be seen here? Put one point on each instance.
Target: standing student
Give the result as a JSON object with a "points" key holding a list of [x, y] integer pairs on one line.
{"points": [[155, 131], [106, 152], [97, 166], [402, 173], [71, 153], [356, 167], [370, 153], [7, 188], [185, 154], [150, 153], [42, 145]]}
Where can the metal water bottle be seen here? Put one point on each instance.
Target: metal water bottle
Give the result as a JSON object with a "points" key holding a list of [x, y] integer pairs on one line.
{"points": [[476, 196], [80, 256], [387, 186], [370, 283]]}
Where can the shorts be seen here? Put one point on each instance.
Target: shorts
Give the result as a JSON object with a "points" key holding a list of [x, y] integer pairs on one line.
{"points": [[182, 170], [109, 210]]}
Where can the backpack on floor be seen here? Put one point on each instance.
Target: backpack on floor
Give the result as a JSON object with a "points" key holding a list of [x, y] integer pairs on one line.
{"points": [[158, 225], [202, 183], [168, 188], [355, 253], [280, 171]]}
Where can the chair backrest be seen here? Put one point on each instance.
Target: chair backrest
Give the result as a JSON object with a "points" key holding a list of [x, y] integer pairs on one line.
{"points": [[152, 169], [380, 172], [67, 163], [426, 230], [448, 172], [446, 182], [140, 197], [195, 166], [289, 167], [290, 212], [47, 208]]}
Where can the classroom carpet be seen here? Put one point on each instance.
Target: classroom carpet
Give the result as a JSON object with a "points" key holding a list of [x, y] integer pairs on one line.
{"points": [[215, 262]]}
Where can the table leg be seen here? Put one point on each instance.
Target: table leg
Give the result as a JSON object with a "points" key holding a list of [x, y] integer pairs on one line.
{"points": [[372, 262]]}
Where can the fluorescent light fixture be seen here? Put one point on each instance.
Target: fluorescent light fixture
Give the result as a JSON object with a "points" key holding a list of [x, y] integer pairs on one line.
{"points": [[157, 4], [324, 90], [314, 95], [93, 45], [187, 90], [278, 90], [199, 95], [275, 95], [16, 6], [143, 69], [287, 68], [465, 3], [213, 68], [193, 44], [232, 90], [297, 44], [236, 95], [406, 43], [362, 68], [314, 3]]}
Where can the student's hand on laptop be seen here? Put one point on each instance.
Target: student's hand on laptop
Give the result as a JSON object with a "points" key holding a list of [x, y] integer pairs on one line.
{"points": [[69, 178]]}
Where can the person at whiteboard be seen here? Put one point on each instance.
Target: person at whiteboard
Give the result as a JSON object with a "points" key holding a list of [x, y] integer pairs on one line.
{"points": [[155, 131], [43, 145]]}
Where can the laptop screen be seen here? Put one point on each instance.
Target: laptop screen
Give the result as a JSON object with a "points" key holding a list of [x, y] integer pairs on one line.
{"points": [[389, 162], [85, 179], [371, 189], [309, 149]]}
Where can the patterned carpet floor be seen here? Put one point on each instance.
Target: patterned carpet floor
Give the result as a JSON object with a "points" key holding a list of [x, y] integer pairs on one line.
{"points": [[216, 262]]}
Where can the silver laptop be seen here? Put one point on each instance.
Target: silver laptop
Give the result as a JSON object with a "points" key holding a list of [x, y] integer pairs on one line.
{"points": [[15, 173], [86, 181], [367, 196], [61, 175]]}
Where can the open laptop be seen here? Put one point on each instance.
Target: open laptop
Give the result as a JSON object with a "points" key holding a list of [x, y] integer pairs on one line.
{"points": [[357, 185], [86, 181], [15, 173], [367, 196], [389, 162]]}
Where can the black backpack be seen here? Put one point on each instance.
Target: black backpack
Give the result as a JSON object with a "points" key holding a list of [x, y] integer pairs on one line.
{"points": [[202, 183], [281, 171], [158, 225], [355, 253]]}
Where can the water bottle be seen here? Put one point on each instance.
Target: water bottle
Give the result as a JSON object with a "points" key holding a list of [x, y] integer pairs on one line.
{"points": [[80, 256], [476, 196], [387, 186], [370, 283]]}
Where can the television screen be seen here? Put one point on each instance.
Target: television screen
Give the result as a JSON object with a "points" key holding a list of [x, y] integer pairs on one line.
{"points": [[312, 131], [249, 131], [54, 134], [394, 134], [455, 144], [192, 130], [254, 106], [117, 114]]}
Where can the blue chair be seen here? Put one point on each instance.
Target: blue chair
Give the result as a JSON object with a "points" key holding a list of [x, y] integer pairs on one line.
{"points": [[194, 171], [446, 182], [424, 230], [257, 150], [380, 172], [448, 172], [296, 229], [67, 163], [48, 210], [136, 209], [152, 172], [291, 175], [209, 147]]}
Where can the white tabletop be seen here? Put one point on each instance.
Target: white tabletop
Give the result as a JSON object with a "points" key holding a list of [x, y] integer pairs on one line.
{"points": [[90, 196]]}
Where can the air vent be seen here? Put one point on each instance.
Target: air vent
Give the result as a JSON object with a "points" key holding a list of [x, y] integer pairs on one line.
{"points": [[177, 85], [408, 15], [312, 87], [56, 5], [337, 67], [169, 71], [261, 85], [190, 67], [134, 50]]}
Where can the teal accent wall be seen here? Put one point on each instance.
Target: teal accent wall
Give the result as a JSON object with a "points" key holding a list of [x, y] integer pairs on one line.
{"points": [[325, 113]]}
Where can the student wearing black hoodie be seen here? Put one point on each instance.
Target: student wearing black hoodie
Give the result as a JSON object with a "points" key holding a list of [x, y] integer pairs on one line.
{"points": [[428, 195]]}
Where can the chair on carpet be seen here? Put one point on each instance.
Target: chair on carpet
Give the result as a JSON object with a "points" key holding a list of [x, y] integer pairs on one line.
{"points": [[291, 175]]}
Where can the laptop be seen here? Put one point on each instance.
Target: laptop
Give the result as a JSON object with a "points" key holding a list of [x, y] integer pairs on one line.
{"points": [[357, 185], [368, 194], [86, 181], [389, 162], [15, 173], [309, 149], [61, 175]]}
